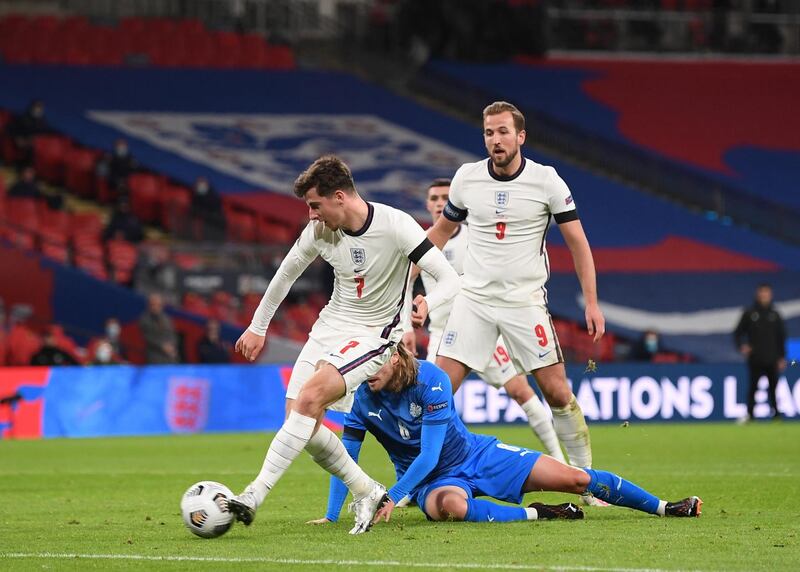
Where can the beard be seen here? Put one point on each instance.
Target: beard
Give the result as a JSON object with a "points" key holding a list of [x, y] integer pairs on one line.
{"points": [[510, 156]]}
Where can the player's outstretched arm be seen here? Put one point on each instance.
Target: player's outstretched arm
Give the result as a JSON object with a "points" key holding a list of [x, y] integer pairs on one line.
{"points": [[578, 246], [296, 261], [447, 285], [441, 231]]}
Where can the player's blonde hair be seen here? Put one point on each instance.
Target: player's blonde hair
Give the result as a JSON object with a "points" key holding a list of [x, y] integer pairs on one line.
{"points": [[499, 107], [405, 371]]}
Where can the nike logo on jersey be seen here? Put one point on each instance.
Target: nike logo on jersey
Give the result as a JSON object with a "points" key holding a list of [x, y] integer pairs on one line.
{"points": [[541, 355], [437, 387], [499, 211]]}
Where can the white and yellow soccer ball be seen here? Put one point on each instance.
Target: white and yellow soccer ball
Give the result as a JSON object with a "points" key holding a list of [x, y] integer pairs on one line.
{"points": [[204, 507]]}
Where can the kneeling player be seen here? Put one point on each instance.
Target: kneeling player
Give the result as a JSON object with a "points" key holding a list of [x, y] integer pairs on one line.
{"points": [[408, 407]]}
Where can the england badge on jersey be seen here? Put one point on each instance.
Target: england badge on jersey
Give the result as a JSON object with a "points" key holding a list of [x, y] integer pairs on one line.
{"points": [[358, 255], [501, 198]]}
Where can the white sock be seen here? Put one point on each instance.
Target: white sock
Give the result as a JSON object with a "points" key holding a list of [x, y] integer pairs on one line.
{"points": [[532, 513], [572, 431], [542, 427], [285, 447], [328, 452], [662, 508]]}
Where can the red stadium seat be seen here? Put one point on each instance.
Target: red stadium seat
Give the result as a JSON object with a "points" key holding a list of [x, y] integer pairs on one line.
{"points": [[49, 156], [273, 233], [92, 265], [22, 344], [196, 304], [145, 192], [86, 226], [55, 251], [241, 225], [122, 259], [175, 206], [79, 167], [23, 213]]}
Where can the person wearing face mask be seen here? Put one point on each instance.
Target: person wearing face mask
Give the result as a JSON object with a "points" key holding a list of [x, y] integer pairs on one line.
{"points": [[110, 337], [24, 127], [121, 164], [646, 348], [207, 210], [104, 354]]}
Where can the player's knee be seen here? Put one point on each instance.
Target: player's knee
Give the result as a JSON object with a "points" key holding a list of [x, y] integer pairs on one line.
{"points": [[453, 507], [519, 390], [557, 395], [582, 480]]}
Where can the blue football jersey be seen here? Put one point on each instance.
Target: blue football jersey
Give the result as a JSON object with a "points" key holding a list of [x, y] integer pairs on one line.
{"points": [[396, 420]]}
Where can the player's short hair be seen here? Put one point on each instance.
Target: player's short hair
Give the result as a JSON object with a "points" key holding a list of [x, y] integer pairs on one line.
{"points": [[499, 107], [405, 372], [327, 175], [440, 182]]}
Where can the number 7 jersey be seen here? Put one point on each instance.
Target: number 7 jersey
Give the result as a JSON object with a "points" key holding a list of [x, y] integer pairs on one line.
{"points": [[508, 217], [371, 267]]}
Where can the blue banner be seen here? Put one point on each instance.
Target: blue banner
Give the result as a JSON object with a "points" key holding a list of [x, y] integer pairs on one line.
{"points": [[645, 392], [128, 400]]}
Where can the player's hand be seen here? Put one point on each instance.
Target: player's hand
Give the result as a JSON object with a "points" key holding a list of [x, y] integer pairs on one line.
{"points": [[595, 322], [250, 345], [409, 342], [385, 512], [420, 314], [745, 349], [319, 521]]}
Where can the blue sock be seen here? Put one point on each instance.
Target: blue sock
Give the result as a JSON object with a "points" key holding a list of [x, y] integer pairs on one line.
{"points": [[616, 490], [485, 511]]}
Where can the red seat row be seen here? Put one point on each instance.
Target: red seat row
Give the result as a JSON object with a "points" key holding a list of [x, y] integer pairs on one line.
{"points": [[157, 41]]}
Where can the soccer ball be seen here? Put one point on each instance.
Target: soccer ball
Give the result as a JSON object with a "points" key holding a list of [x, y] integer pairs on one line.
{"points": [[205, 509]]}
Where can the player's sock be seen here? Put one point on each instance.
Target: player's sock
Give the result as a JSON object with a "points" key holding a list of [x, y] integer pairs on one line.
{"points": [[617, 491], [572, 431], [542, 427], [328, 452], [479, 510], [285, 447]]}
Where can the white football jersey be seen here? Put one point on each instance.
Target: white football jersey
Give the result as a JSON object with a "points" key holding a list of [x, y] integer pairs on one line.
{"points": [[454, 252], [371, 267], [508, 217]]}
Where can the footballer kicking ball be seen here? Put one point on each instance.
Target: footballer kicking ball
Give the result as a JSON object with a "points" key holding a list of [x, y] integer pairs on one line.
{"points": [[205, 509]]}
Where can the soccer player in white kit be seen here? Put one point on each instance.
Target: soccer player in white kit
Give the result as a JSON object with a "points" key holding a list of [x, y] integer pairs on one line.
{"points": [[371, 248], [500, 372], [508, 202]]}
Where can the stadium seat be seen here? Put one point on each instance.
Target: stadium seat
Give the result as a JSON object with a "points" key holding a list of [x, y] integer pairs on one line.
{"points": [[273, 233], [175, 206], [122, 259], [92, 265], [196, 304], [241, 225], [49, 156], [23, 213], [22, 344], [145, 195], [57, 251], [79, 175], [86, 226]]}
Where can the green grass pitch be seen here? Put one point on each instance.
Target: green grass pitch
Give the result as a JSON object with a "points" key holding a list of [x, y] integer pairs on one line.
{"points": [[112, 504]]}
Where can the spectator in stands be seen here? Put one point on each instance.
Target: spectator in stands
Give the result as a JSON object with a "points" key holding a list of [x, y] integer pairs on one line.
{"points": [[210, 348], [24, 127], [761, 338], [121, 164], [27, 187], [104, 354], [646, 348], [158, 332], [123, 224], [113, 333], [50, 354], [207, 209]]}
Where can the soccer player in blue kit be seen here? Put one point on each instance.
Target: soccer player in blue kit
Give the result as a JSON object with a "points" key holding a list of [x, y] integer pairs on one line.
{"points": [[408, 407]]}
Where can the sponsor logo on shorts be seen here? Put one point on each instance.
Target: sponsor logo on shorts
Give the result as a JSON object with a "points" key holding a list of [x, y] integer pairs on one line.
{"points": [[358, 255], [450, 338], [437, 406]]}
